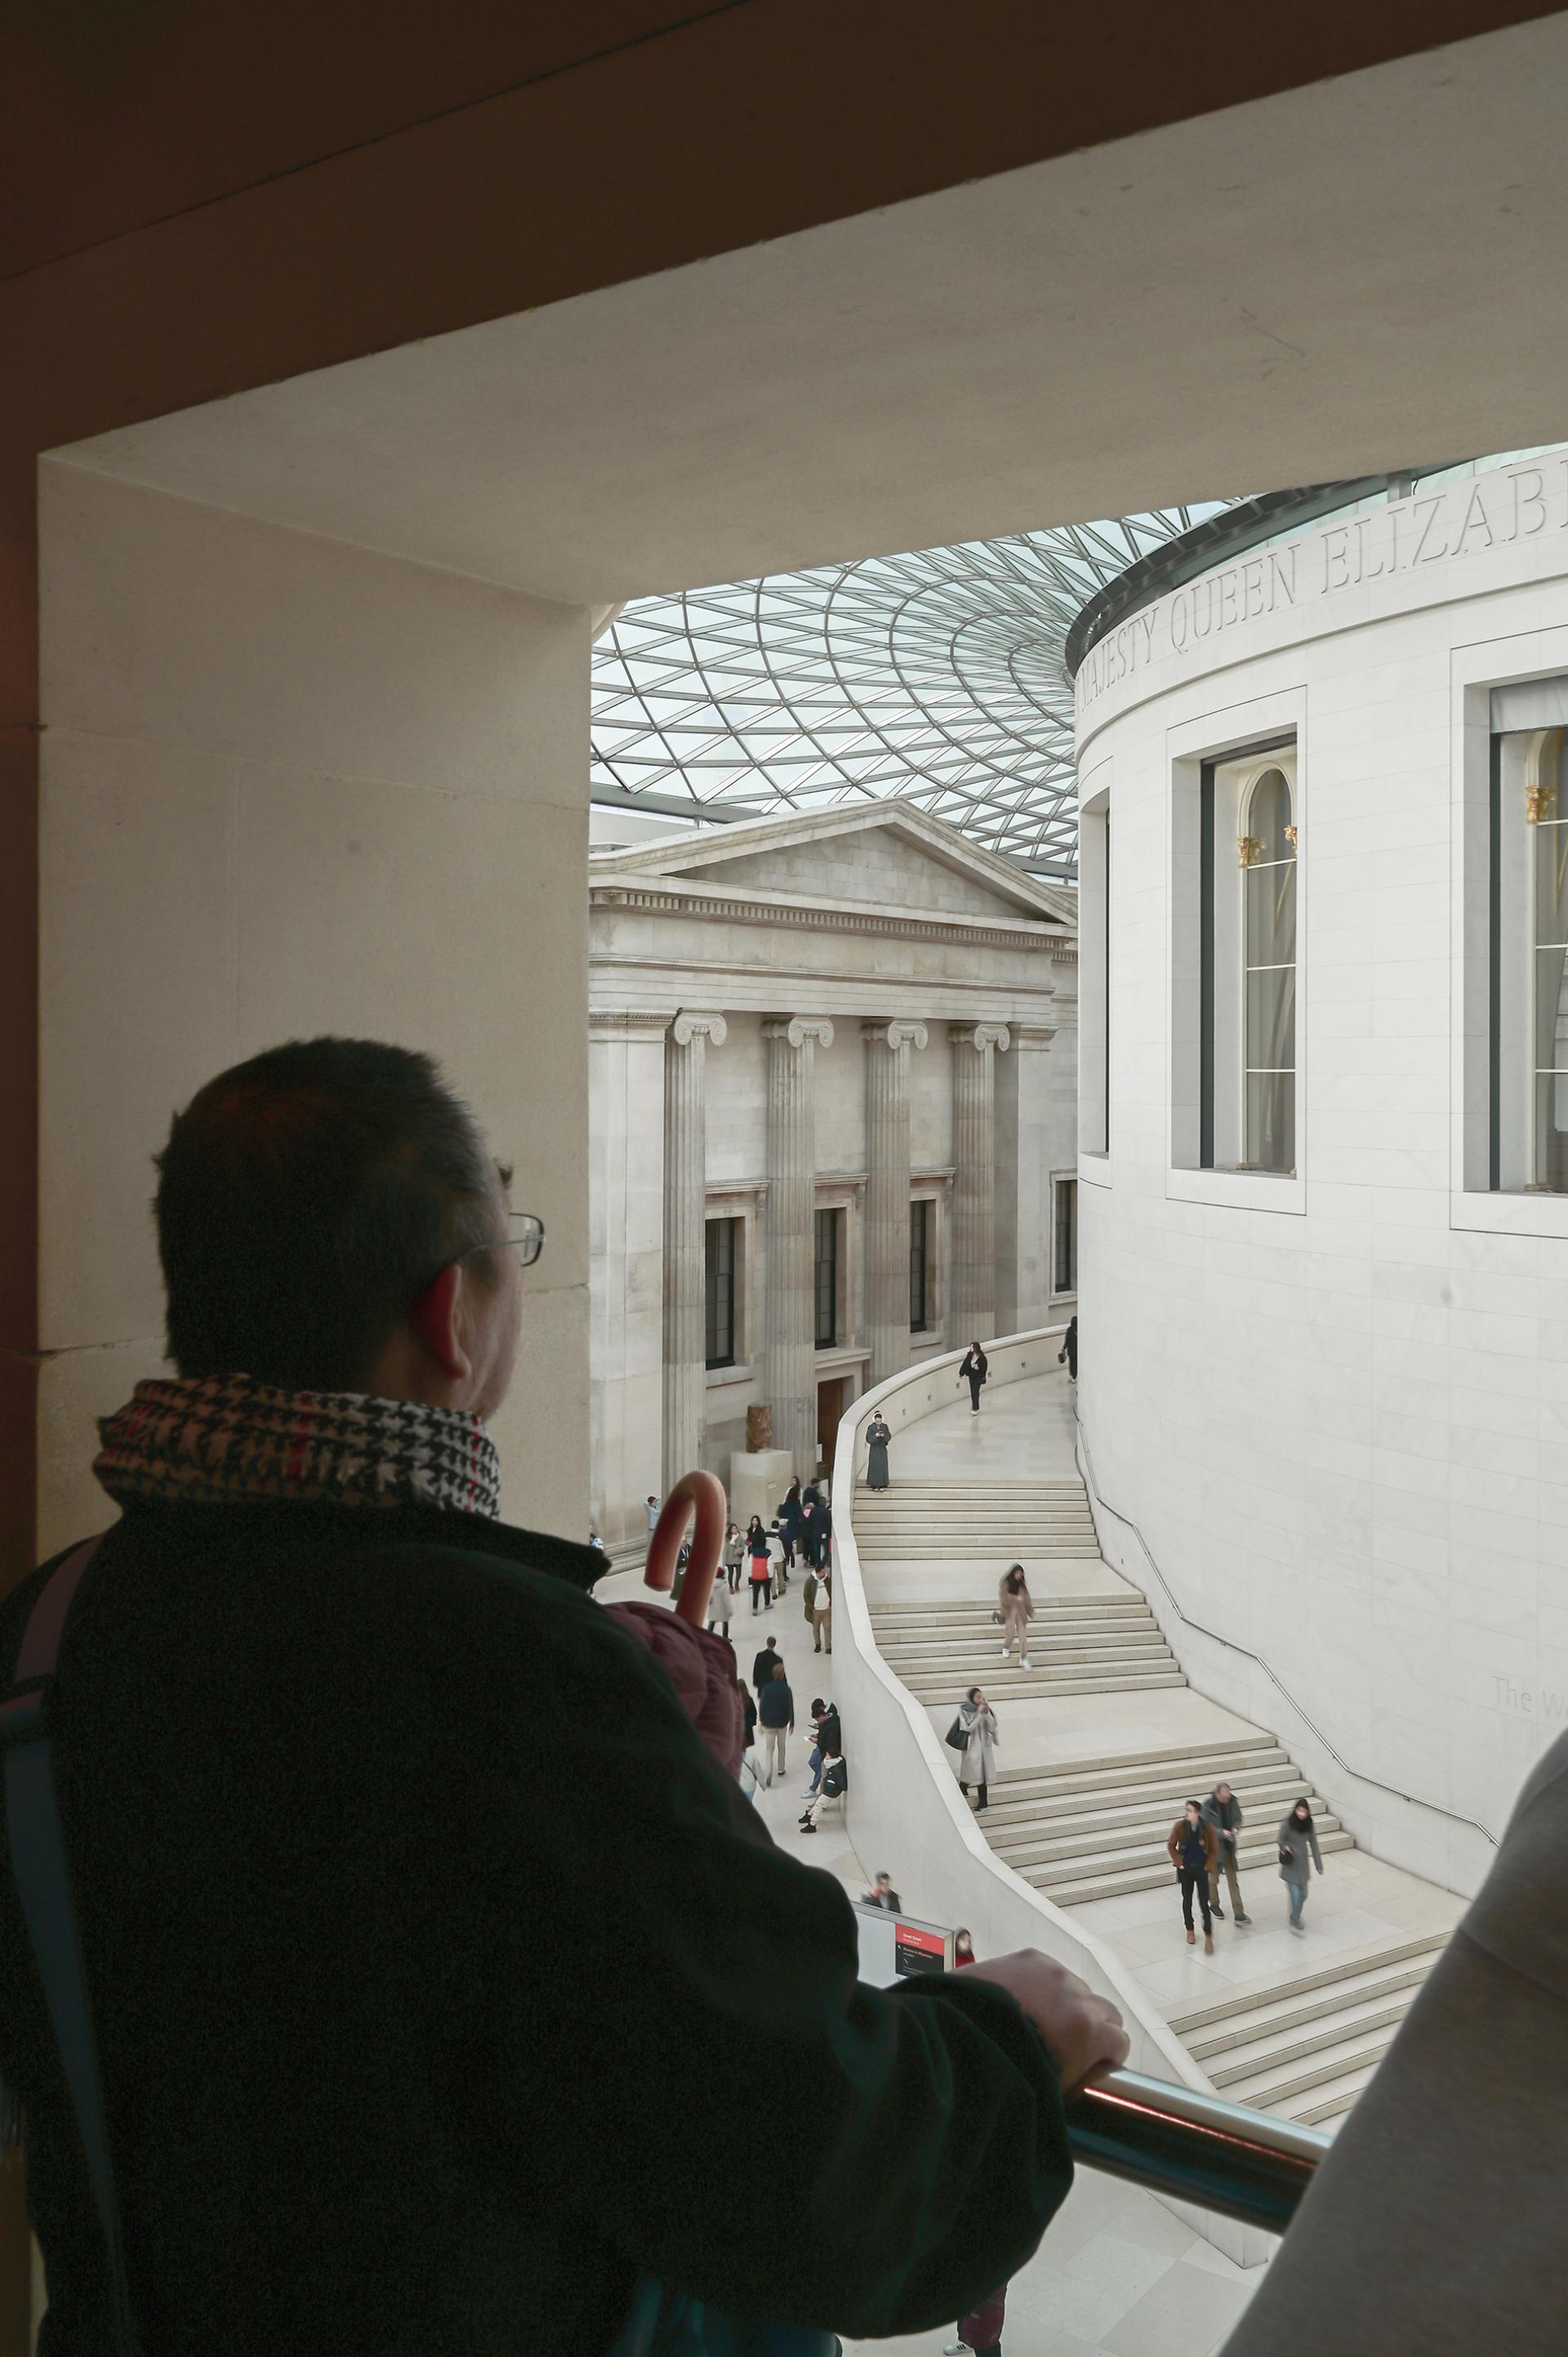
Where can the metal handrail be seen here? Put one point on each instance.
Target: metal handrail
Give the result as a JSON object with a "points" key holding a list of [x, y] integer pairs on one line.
{"points": [[1194, 2148]]}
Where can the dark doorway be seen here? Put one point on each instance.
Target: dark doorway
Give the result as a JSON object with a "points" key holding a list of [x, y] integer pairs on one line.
{"points": [[831, 1405]]}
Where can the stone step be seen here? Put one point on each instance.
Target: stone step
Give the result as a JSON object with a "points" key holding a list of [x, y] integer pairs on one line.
{"points": [[1039, 1685], [1136, 1837], [1428, 1944], [1160, 1801], [1283, 2047], [1327, 2107], [1263, 2091], [978, 1656], [1048, 1548], [948, 1619], [1255, 1794], [916, 1661], [941, 1651], [1270, 2012], [1256, 1750], [1066, 1892]]}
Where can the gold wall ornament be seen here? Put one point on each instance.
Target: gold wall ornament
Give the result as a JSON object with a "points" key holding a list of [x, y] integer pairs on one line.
{"points": [[1247, 849], [1540, 803], [1290, 836]]}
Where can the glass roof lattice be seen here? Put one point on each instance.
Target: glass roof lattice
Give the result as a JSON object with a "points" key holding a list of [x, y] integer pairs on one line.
{"points": [[936, 676]]}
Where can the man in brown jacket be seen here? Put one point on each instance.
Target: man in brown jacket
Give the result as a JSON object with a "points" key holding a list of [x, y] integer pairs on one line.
{"points": [[1195, 1854]]}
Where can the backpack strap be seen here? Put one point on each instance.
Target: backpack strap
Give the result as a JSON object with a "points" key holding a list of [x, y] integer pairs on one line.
{"points": [[41, 1872]]}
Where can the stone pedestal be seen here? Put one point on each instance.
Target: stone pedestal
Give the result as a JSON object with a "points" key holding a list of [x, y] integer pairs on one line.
{"points": [[685, 1181], [972, 1296], [789, 1350], [888, 1047], [757, 1480]]}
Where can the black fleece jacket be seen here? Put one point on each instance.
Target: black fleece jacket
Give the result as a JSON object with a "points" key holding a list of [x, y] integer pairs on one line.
{"points": [[427, 1945]]}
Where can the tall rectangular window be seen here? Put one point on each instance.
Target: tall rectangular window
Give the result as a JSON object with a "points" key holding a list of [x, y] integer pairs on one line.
{"points": [[1094, 968], [1529, 950], [919, 1266], [1064, 1231], [1247, 961], [827, 1276], [719, 1241]]}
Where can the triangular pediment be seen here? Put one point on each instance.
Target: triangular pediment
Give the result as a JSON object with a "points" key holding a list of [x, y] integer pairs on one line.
{"points": [[889, 853]]}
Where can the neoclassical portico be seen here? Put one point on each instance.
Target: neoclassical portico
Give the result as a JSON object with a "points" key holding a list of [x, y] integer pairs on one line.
{"points": [[833, 1112]]}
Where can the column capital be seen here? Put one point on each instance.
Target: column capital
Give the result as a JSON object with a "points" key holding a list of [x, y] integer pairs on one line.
{"points": [[895, 1034], [688, 1026], [979, 1036], [798, 1029]]}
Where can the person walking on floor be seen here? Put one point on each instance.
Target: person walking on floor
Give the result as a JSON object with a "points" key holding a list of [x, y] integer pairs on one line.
{"points": [[721, 1604], [775, 1711], [790, 1516], [767, 1662], [822, 1614], [761, 1568], [1222, 1810], [1298, 1851], [1015, 1610], [974, 1372], [878, 1434], [1195, 1852], [735, 1555], [1068, 1351], [976, 1725], [882, 1894]]}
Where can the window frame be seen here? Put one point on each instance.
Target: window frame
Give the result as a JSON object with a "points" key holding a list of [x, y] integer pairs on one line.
{"points": [[925, 1206], [1259, 731], [827, 1220], [730, 1222], [1064, 1186]]}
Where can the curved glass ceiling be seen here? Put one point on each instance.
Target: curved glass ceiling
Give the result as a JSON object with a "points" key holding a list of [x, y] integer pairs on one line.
{"points": [[936, 676]]}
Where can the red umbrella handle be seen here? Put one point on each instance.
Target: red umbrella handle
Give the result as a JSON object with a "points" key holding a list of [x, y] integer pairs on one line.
{"points": [[704, 1494]]}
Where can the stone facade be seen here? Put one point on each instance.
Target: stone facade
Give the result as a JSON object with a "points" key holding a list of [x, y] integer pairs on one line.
{"points": [[848, 1014]]}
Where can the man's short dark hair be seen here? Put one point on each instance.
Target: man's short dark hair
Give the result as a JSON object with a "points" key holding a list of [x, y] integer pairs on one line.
{"points": [[305, 1198]]}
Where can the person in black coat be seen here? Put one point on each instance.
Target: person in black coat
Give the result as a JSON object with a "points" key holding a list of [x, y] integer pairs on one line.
{"points": [[308, 1742], [790, 1515], [975, 1368], [1068, 1351]]}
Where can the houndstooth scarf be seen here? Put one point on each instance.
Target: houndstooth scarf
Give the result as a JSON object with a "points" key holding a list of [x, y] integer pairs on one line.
{"points": [[222, 1440]]}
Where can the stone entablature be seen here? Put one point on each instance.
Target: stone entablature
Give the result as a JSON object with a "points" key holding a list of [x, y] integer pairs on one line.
{"points": [[766, 1052]]}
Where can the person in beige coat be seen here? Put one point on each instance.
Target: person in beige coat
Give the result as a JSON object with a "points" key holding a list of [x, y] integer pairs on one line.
{"points": [[1017, 1609]]}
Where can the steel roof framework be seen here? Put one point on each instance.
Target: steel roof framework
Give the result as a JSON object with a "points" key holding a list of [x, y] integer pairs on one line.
{"points": [[939, 676]]}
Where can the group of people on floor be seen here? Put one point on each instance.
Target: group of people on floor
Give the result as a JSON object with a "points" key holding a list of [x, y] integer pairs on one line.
{"points": [[1202, 1846]]}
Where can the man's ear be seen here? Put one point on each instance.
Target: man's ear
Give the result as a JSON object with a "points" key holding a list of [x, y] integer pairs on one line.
{"points": [[437, 1320]]}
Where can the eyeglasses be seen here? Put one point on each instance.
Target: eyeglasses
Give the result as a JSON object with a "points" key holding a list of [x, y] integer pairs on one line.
{"points": [[527, 1239]]}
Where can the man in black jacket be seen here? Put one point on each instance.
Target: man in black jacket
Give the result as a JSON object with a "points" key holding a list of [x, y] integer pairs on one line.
{"points": [[421, 1928]]}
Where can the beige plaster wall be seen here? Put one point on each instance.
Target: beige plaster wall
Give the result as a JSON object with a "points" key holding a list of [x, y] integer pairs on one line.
{"points": [[290, 786]]}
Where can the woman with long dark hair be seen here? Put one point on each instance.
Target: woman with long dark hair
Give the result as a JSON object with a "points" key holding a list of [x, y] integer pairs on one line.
{"points": [[761, 1569]]}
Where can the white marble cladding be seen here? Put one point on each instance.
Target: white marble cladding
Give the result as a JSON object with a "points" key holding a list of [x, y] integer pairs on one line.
{"points": [[1336, 1408], [845, 919]]}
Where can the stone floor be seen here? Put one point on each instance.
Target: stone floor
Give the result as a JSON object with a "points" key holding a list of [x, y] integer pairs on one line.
{"points": [[1118, 2274]]}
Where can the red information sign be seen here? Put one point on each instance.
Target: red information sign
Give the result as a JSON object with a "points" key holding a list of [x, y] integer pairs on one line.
{"points": [[918, 1950]]}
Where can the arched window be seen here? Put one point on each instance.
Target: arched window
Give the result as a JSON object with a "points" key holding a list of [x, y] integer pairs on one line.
{"points": [[1548, 824], [1267, 852]]}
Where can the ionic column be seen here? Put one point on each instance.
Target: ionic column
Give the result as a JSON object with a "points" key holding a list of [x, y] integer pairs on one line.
{"points": [[972, 1296], [888, 1047], [789, 1352], [685, 1267]]}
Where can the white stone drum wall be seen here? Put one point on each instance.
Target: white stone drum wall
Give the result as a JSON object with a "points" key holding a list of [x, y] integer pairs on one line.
{"points": [[1339, 1422]]}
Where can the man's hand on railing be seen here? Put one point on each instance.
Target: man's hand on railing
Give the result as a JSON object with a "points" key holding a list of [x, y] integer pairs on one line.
{"points": [[1083, 2031]]}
